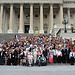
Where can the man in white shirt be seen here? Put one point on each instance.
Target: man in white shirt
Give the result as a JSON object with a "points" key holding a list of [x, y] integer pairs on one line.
{"points": [[55, 56], [71, 56], [59, 55]]}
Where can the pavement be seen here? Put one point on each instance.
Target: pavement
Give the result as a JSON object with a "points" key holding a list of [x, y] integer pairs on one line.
{"points": [[52, 69]]}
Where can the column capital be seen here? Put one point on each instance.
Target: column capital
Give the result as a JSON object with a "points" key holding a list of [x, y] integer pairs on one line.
{"points": [[21, 3], [69, 8], [31, 3], [51, 4], [41, 4], [1, 4], [11, 3], [61, 4]]}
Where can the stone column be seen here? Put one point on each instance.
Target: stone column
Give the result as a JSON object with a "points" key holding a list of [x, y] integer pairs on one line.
{"points": [[21, 24], [11, 20], [31, 19], [41, 19], [4, 16], [68, 16], [61, 14], [51, 17], [1, 18]]}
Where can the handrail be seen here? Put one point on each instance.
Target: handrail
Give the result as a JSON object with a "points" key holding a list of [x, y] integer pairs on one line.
{"points": [[73, 30], [59, 31]]}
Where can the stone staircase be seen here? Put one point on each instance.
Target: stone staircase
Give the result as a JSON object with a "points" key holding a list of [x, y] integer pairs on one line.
{"points": [[12, 36], [6, 37]]}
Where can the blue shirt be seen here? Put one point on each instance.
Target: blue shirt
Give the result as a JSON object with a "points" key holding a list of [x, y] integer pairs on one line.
{"points": [[43, 59]]}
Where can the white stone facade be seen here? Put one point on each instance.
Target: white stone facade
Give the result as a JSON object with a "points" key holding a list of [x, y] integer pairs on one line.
{"points": [[35, 16]]}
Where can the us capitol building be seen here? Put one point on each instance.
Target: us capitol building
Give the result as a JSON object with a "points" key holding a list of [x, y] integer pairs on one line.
{"points": [[35, 16]]}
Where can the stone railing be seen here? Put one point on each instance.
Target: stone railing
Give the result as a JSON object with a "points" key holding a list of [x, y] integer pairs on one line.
{"points": [[68, 0], [72, 30], [55, 30], [69, 5], [31, 1], [58, 33]]}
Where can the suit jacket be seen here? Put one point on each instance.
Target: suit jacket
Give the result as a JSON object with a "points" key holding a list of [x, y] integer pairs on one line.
{"points": [[15, 54], [2, 54]]}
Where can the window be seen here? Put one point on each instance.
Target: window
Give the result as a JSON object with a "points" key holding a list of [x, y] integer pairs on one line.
{"points": [[27, 15], [54, 16], [18, 16], [36, 28], [45, 28], [45, 16], [36, 16], [71, 15]]}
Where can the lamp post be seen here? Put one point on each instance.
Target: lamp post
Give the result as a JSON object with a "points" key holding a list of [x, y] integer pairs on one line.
{"points": [[65, 23]]}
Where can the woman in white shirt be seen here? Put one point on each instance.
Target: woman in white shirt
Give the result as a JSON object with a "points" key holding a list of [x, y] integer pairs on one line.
{"points": [[59, 56], [30, 59]]}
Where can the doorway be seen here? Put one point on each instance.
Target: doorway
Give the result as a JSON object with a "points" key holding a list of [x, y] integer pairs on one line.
{"points": [[26, 28]]}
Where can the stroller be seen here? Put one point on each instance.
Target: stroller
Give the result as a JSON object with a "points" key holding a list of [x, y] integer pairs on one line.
{"points": [[24, 61], [32, 64], [39, 61]]}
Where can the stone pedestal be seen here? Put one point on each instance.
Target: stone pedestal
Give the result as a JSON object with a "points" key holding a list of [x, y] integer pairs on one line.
{"points": [[50, 31], [31, 31], [41, 31], [0, 31], [10, 31], [20, 31]]}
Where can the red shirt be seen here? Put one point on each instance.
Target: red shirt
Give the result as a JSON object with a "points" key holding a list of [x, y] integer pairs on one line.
{"points": [[73, 50]]}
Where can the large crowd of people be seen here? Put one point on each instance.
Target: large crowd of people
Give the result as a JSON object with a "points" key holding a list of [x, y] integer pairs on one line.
{"points": [[37, 50]]}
